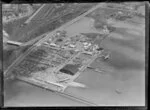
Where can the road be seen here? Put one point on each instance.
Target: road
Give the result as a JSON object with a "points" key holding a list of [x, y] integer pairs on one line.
{"points": [[6, 72], [28, 20]]}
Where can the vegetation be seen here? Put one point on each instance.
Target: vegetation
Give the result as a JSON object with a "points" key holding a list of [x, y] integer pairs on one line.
{"points": [[30, 64], [39, 60], [54, 23], [42, 12], [12, 27], [10, 55], [48, 19]]}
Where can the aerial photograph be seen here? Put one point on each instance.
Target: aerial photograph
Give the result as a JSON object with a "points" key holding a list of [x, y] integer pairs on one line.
{"points": [[74, 54]]}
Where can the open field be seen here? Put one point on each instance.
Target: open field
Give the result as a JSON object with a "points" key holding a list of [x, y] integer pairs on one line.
{"points": [[10, 53], [46, 20], [55, 23], [43, 11], [12, 27]]}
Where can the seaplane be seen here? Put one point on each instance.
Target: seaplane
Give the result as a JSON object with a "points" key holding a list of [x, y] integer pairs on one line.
{"points": [[106, 57], [76, 84], [95, 69], [72, 83]]}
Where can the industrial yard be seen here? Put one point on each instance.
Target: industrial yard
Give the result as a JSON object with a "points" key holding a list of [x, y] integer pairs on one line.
{"points": [[51, 62]]}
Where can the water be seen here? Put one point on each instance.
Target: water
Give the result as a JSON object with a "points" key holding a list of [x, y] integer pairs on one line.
{"points": [[18, 93], [123, 81]]}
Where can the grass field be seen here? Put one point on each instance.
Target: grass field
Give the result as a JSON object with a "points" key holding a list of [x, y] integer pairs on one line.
{"points": [[51, 25], [12, 27], [46, 20]]}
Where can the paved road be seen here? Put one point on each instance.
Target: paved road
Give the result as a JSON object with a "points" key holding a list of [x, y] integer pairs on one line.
{"points": [[50, 34]]}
